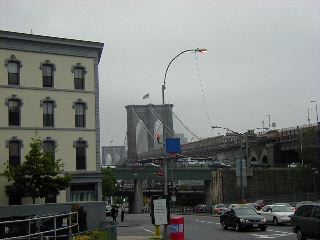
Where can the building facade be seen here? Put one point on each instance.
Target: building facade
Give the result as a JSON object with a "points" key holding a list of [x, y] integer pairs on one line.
{"points": [[51, 85]]}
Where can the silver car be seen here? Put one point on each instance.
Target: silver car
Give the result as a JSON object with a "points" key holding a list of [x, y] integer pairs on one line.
{"points": [[277, 214]]}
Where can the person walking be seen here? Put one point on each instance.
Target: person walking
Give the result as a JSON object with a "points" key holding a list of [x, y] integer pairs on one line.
{"points": [[122, 213], [114, 214]]}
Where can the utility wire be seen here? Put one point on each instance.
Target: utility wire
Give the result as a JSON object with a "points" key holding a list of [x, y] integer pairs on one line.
{"points": [[202, 91]]}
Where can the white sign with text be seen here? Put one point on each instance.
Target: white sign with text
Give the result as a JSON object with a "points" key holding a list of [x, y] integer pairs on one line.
{"points": [[160, 211]]}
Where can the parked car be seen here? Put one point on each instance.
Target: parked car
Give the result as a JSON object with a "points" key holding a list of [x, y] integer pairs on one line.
{"points": [[218, 164], [219, 208], [242, 218], [261, 203], [151, 165], [294, 165], [277, 214], [306, 221]]}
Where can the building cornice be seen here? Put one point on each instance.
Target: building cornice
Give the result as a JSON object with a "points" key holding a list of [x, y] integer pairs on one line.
{"points": [[48, 128], [39, 43]]}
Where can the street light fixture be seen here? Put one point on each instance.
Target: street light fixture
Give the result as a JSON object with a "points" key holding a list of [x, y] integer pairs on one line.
{"points": [[315, 102], [165, 190]]}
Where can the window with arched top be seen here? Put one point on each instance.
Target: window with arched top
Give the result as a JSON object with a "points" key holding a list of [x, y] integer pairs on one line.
{"points": [[14, 110], [13, 67], [47, 69], [80, 113], [49, 147], [14, 152], [79, 72]]}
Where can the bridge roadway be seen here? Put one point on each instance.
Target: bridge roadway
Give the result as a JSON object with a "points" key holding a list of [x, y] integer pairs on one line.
{"points": [[141, 174], [173, 173]]}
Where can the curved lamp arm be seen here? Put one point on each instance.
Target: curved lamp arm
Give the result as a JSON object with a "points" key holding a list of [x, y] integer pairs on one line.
{"points": [[201, 50]]}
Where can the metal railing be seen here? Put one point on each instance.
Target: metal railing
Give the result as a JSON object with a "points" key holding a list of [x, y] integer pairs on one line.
{"points": [[38, 228]]}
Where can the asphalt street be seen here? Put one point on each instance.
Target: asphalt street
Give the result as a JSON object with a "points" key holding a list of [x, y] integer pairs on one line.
{"points": [[201, 227]]}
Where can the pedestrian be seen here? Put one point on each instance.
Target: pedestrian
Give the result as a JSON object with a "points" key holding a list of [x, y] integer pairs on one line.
{"points": [[114, 214], [122, 213]]}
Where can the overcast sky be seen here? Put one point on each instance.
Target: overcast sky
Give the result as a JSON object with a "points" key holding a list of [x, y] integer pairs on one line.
{"points": [[263, 57]]}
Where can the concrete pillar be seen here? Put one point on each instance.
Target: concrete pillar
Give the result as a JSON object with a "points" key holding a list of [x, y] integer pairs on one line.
{"points": [[208, 188], [138, 196], [213, 188]]}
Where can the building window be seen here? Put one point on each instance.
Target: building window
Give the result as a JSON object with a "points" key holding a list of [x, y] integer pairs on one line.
{"points": [[48, 115], [49, 147], [81, 146], [79, 72], [13, 73], [13, 66], [47, 75], [85, 192], [14, 112], [80, 118], [78, 78], [14, 153]]}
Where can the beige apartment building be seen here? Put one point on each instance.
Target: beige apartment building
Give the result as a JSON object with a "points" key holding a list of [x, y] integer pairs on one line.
{"points": [[51, 85]]}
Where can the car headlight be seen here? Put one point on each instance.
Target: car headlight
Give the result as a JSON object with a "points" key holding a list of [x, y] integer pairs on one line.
{"points": [[244, 220], [263, 220]]}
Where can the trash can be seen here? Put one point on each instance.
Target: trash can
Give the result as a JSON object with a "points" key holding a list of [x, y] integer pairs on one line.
{"points": [[176, 228]]}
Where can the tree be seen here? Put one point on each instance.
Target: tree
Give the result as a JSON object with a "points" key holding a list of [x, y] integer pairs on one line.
{"points": [[38, 176], [108, 183]]}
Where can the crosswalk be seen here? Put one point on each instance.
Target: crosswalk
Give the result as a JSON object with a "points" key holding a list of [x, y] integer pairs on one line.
{"points": [[269, 234]]}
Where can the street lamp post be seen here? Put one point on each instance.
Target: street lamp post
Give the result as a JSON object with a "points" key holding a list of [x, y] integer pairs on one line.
{"points": [[315, 102], [165, 190]]}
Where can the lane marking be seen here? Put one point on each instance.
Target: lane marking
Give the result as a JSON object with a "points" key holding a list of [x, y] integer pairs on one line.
{"points": [[277, 234], [147, 230], [280, 232]]}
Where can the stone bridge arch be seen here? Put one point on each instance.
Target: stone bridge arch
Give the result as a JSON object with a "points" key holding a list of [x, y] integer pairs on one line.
{"points": [[149, 114], [116, 153]]}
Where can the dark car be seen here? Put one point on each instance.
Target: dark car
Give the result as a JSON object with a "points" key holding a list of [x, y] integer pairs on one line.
{"points": [[306, 221], [242, 218]]}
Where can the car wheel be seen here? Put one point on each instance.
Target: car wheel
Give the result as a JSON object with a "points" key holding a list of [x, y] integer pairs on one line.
{"points": [[263, 228], [237, 227], [224, 226], [275, 221], [300, 235]]}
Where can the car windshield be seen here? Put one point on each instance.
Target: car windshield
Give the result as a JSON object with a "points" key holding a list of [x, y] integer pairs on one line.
{"points": [[281, 209], [245, 211]]}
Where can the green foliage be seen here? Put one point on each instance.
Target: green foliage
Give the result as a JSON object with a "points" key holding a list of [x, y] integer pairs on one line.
{"points": [[108, 182], [38, 176], [94, 235]]}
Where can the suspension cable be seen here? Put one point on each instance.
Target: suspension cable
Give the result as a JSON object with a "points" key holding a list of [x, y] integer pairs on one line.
{"points": [[203, 95], [179, 120]]}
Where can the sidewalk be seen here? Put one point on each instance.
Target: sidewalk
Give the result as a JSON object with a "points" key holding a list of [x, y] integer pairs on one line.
{"points": [[133, 237]]}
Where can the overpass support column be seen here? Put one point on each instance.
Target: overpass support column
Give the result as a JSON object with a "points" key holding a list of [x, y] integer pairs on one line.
{"points": [[138, 196], [208, 188], [213, 188]]}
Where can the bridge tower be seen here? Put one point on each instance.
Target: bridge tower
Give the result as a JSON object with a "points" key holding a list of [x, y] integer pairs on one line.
{"points": [[149, 114], [117, 153]]}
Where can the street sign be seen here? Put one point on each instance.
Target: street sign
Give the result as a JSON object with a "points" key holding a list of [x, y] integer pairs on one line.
{"points": [[241, 172], [173, 145]]}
